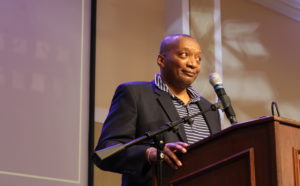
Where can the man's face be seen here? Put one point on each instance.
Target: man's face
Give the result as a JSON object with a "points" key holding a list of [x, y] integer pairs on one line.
{"points": [[180, 63]]}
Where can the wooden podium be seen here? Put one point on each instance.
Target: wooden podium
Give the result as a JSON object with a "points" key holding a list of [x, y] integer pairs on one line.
{"points": [[263, 152]]}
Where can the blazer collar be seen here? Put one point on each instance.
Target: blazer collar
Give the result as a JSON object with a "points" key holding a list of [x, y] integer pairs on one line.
{"points": [[165, 101]]}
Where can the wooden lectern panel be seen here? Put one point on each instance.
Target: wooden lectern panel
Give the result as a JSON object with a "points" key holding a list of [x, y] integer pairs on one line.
{"points": [[240, 168], [296, 162], [254, 153], [287, 139]]}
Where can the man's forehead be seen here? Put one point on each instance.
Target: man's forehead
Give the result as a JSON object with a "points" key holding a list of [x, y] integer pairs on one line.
{"points": [[178, 39], [193, 49], [187, 44], [177, 42]]}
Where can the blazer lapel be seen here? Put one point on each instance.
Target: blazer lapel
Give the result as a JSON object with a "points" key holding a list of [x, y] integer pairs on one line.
{"points": [[167, 105], [207, 119]]}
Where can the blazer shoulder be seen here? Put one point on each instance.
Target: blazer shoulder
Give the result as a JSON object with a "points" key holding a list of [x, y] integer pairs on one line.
{"points": [[135, 85]]}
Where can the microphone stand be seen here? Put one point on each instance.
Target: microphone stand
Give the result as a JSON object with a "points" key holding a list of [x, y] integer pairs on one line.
{"points": [[110, 151], [159, 144]]}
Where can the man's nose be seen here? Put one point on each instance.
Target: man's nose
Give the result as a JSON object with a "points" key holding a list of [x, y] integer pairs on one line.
{"points": [[192, 62]]}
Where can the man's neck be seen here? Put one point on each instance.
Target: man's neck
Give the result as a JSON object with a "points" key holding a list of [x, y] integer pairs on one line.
{"points": [[181, 93]]}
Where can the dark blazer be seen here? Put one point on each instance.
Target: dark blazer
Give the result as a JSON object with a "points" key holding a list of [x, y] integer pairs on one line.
{"points": [[136, 108]]}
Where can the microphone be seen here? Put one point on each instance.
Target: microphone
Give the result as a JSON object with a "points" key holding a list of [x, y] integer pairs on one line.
{"points": [[217, 83]]}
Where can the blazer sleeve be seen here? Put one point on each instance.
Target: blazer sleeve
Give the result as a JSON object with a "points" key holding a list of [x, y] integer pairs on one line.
{"points": [[120, 127]]}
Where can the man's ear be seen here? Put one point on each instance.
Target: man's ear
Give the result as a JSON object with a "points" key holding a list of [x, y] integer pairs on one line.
{"points": [[161, 60]]}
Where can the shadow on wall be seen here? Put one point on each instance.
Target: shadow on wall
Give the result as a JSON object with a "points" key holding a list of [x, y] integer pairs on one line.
{"points": [[259, 58]]}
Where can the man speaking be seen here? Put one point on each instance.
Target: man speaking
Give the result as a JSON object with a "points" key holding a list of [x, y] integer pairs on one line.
{"points": [[138, 107]]}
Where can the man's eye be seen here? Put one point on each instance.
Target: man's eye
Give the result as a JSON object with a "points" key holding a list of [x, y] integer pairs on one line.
{"points": [[183, 54]]}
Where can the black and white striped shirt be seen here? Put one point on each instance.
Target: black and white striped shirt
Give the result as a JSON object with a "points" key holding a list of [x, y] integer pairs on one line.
{"points": [[196, 130]]}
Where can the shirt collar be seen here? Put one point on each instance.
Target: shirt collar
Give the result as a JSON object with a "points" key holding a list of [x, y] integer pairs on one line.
{"points": [[195, 96]]}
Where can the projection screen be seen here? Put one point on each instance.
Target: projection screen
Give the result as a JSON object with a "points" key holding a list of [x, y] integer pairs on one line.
{"points": [[44, 88]]}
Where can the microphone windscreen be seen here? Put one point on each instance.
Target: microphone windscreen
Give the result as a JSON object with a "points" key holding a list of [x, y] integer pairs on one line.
{"points": [[215, 79]]}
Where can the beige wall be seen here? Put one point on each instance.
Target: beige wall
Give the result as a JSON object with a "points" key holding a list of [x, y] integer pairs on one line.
{"points": [[128, 38], [202, 28], [260, 54], [261, 59]]}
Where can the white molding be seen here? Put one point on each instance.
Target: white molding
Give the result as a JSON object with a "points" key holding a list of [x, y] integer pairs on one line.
{"points": [[218, 37], [185, 7], [177, 17], [218, 52], [290, 8]]}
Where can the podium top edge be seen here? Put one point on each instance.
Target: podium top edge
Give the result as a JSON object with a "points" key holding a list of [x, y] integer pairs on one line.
{"points": [[281, 120], [246, 124]]}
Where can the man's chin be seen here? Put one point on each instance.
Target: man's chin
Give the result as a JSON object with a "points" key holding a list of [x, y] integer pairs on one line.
{"points": [[188, 81]]}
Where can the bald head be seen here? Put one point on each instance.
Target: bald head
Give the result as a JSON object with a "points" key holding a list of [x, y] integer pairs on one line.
{"points": [[179, 60], [168, 42]]}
